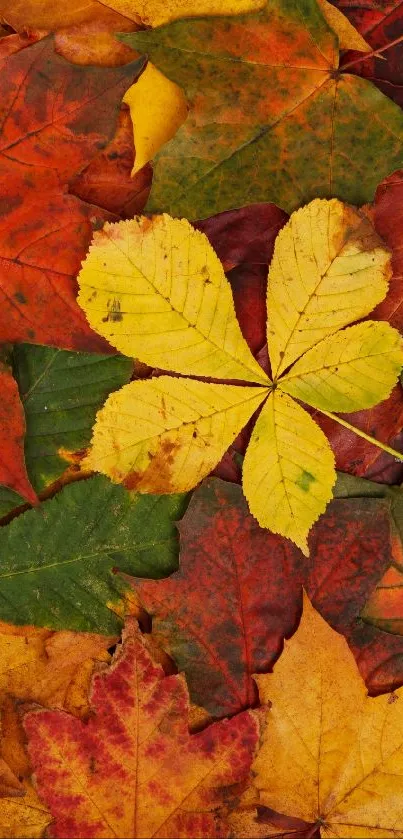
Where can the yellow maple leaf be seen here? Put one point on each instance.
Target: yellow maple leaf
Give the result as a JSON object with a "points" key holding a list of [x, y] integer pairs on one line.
{"points": [[22, 813], [330, 754], [157, 291], [349, 37], [51, 668], [55, 669]]}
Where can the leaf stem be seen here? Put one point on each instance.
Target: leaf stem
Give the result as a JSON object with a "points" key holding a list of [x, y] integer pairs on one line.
{"points": [[372, 54], [397, 455]]}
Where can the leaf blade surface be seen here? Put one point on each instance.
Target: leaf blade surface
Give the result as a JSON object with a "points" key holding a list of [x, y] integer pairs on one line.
{"points": [[329, 268], [158, 292], [345, 768], [138, 734], [288, 470], [58, 560], [353, 369], [166, 434]]}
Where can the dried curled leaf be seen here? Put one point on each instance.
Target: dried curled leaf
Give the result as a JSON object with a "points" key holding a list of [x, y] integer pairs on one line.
{"points": [[156, 289]]}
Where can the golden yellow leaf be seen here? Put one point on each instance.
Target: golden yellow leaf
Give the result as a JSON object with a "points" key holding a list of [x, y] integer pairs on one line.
{"points": [[330, 755], [157, 291], [22, 813], [288, 471], [23, 816], [349, 38], [158, 107], [157, 12], [54, 15], [166, 434], [348, 371], [329, 269], [38, 665]]}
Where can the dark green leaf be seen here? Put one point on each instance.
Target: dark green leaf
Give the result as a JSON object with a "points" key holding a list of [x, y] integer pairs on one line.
{"points": [[58, 561]]}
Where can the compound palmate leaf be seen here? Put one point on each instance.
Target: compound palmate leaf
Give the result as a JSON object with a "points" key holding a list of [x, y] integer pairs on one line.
{"points": [[329, 268], [156, 290], [343, 373]]}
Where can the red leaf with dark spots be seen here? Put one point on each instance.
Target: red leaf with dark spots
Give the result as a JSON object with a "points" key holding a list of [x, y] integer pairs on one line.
{"points": [[224, 614], [37, 272], [13, 473], [55, 115], [352, 546], [365, 15], [244, 235], [13, 43], [55, 119]]}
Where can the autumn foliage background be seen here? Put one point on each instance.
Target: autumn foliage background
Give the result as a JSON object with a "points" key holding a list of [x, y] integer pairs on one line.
{"points": [[167, 666]]}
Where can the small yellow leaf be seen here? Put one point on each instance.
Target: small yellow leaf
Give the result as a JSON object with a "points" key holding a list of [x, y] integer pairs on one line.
{"points": [[157, 12], [331, 755], [157, 108], [157, 291], [165, 434], [349, 38], [288, 471], [348, 371], [329, 269]]}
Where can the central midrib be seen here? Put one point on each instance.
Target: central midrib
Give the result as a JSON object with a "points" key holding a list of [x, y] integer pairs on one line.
{"points": [[243, 366], [82, 558]]}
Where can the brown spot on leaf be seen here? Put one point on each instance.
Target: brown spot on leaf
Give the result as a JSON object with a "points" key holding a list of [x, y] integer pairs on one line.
{"points": [[20, 297], [114, 314], [157, 477]]}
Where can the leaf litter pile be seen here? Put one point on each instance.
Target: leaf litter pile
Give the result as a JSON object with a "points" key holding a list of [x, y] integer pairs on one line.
{"points": [[201, 416]]}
